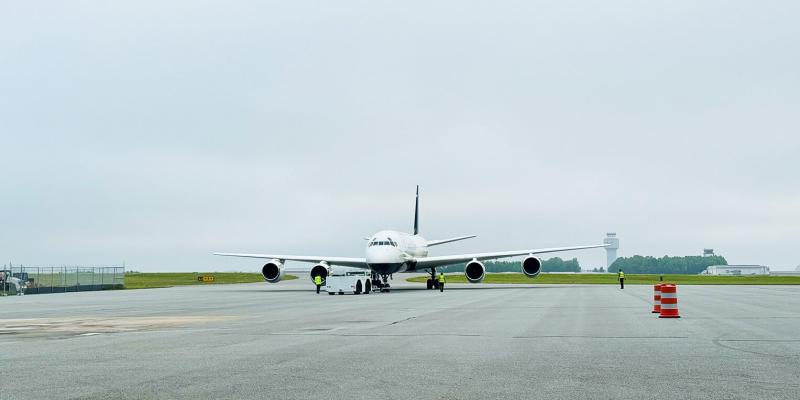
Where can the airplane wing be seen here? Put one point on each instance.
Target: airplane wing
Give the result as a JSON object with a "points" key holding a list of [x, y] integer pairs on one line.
{"points": [[429, 262], [343, 261]]}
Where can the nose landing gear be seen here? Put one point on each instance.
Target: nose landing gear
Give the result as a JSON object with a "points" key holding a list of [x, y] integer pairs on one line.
{"points": [[385, 284], [382, 284]]}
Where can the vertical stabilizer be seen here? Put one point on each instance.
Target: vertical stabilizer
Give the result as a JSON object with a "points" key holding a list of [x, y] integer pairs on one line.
{"points": [[416, 213]]}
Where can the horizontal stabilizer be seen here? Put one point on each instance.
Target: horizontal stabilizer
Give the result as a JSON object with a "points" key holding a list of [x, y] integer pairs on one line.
{"points": [[443, 241]]}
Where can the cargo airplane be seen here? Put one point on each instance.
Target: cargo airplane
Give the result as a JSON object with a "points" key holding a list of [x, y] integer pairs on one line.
{"points": [[390, 252]]}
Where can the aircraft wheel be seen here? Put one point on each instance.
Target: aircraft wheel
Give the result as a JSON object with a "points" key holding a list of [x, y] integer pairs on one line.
{"points": [[429, 284]]}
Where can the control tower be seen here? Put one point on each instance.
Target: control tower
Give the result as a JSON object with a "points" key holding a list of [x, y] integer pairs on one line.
{"points": [[611, 251]]}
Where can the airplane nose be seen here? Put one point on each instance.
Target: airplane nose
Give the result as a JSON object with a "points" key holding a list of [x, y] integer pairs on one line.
{"points": [[382, 255]]}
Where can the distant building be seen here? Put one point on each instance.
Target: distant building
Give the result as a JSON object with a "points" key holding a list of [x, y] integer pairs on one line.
{"points": [[708, 252], [611, 251], [736, 270], [796, 272]]}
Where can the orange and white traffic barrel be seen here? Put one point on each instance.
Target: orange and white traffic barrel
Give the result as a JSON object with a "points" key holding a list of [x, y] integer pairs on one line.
{"points": [[657, 299], [669, 301]]}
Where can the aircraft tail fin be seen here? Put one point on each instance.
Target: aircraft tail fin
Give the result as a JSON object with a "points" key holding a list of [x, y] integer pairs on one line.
{"points": [[416, 214]]}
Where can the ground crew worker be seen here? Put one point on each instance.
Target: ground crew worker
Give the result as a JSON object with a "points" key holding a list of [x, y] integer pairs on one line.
{"points": [[621, 277], [318, 281], [441, 282]]}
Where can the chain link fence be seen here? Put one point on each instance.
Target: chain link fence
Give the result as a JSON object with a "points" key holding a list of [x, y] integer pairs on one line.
{"points": [[16, 279]]}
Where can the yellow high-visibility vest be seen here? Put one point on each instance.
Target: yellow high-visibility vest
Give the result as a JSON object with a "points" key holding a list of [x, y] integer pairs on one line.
{"points": [[621, 275], [441, 278], [318, 280]]}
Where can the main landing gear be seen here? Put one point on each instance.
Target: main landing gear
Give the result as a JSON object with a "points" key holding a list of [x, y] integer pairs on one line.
{"points": [[432, 282], [382, 284]]}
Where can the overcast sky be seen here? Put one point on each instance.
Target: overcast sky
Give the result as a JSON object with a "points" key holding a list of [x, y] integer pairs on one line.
{"points": [[156, 132]]}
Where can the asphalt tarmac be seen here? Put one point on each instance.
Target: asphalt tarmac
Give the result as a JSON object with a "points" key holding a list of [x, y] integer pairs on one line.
{"points": [[283, 341]]}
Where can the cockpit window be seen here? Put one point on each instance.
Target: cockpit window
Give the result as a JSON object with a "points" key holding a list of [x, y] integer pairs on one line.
{"points": [[388, 242]]}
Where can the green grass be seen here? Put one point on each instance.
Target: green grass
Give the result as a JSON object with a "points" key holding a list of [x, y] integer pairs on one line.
{"points": [[630, 279], [167, 279]]}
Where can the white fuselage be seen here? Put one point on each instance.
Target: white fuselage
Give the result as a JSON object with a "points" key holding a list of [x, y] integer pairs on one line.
{"points": [[389, 252]]}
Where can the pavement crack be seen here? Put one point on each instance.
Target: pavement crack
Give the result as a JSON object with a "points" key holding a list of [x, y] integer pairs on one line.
{"points": [[761, 340], [596, 337], [402, 320], [718, 342], [379, 334]]}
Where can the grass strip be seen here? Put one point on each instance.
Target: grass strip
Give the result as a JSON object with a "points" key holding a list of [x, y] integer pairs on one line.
{"points": [[138, 280]]}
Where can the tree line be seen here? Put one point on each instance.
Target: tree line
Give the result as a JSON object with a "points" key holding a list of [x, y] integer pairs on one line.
{"points": [[665, 265]]}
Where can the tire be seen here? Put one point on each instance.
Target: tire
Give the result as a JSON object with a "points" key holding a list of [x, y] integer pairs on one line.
{"points": [[429, 284], [367, 287], [358, 287], [331, 293]]}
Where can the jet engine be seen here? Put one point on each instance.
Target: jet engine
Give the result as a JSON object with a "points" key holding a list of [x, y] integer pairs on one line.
{"points": [[475, 271], [272, 271], [531, 266], [319, 269]]}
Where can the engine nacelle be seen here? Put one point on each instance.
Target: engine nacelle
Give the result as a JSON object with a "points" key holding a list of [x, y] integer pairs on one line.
{"points": [[272, 271], [531, 266], [320, 269], [475, 271]]}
